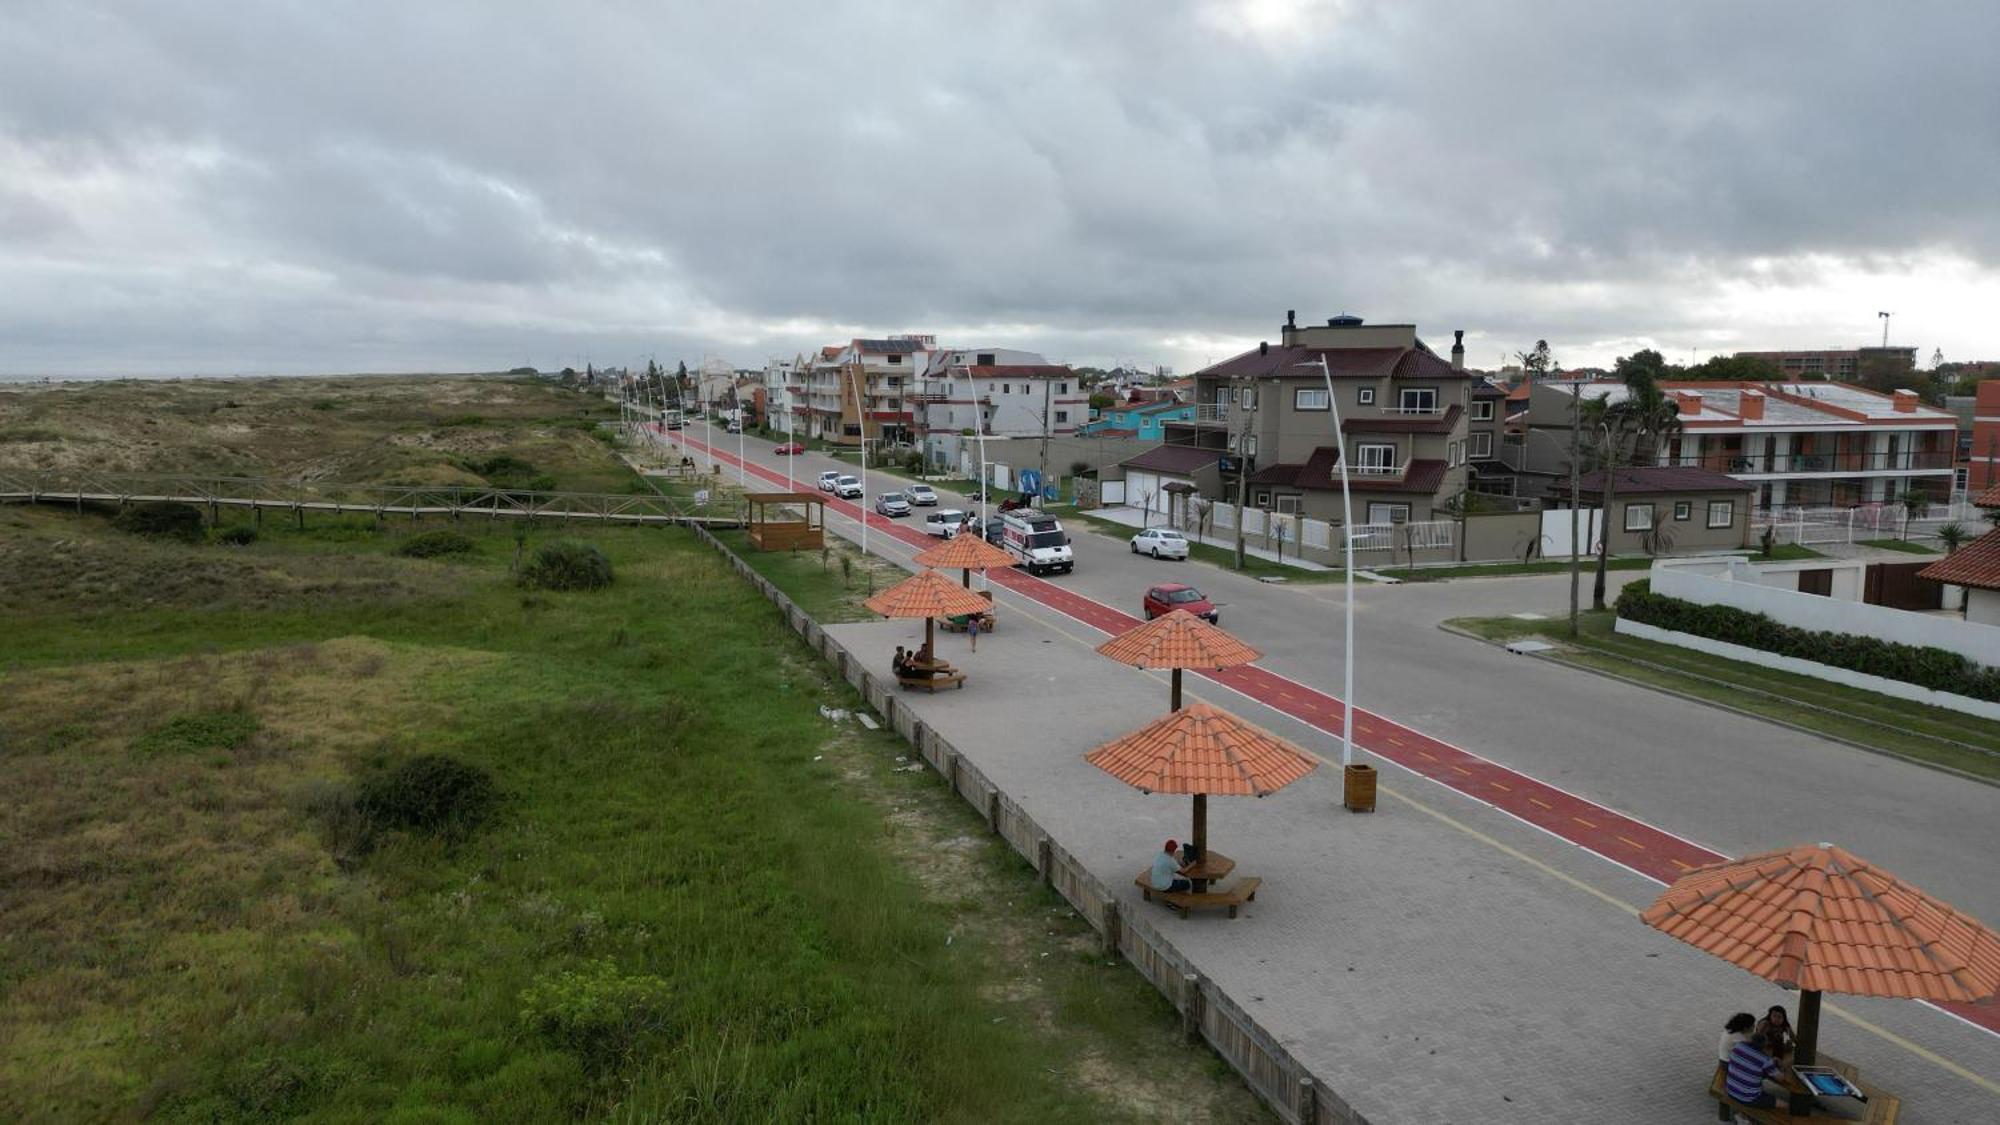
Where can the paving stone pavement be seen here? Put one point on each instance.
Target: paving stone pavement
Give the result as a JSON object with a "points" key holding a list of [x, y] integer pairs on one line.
{"points": [[1436, 961]]}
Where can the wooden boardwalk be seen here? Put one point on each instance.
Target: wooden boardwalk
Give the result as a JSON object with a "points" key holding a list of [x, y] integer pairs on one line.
{"points": [[262, 494]]}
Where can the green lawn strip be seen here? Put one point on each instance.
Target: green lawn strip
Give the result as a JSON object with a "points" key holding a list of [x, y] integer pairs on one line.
{"points": [[1505, 570], [829, 585], [1899, 545], [1866, 717], [1786, 552], [664, 813]]}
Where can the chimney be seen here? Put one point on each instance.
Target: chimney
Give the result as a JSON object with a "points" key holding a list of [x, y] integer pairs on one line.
{"points": [[1750, 405], [1688, 401], [1263, 347], [1458, 350], [1906, 402], [1291, 318]]}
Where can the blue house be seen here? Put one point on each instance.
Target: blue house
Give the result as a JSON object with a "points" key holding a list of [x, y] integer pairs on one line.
{"points": [[1141, 420]]}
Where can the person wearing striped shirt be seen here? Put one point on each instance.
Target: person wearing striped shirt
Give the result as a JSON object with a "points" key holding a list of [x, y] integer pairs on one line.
{"points": [[1750, 1063]]}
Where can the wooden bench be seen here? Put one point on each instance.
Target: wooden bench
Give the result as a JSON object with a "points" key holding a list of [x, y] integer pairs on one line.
{"points": [[933, 683], [1184, 902], [1881, 1108]]}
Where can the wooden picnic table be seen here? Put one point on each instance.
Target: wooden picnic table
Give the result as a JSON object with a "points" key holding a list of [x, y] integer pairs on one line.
{"points": [[1212, 867], [1881, 1108]]}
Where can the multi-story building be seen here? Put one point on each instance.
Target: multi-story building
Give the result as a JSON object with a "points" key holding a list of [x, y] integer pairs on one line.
{"points": [[1850, 365], [784, 383], [1798, 444], [861, 390], [998, 392], [1142, 420], [1979, 449], [1403, 410]]}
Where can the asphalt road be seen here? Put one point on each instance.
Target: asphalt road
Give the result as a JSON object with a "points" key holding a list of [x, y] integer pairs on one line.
{"points": [[1730, 784]]}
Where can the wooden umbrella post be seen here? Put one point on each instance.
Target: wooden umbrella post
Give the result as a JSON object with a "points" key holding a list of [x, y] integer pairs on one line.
{"points": [[1200, 828], [1807, 1033], [1176, 702]]}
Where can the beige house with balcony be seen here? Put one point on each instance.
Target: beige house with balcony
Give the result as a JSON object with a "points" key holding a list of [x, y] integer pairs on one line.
{"points": [[860, 390], [1404, 412]]}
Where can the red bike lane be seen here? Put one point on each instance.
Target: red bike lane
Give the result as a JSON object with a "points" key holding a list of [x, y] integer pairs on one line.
{"points": [[1638, 847]]}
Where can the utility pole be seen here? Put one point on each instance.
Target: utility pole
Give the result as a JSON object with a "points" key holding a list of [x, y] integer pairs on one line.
{"points": [[1046, 416], [1575, 480], [1240, 439]]}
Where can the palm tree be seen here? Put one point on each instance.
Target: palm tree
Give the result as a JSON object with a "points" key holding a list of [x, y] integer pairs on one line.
{"points": [[1953, 536], [1643, 419]]}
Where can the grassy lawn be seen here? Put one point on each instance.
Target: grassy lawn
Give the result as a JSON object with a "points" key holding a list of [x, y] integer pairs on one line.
{"points": [[697, 897], [1899, 545], [830, 585], [1503, 570], [1786, 552], [1931, 734]]}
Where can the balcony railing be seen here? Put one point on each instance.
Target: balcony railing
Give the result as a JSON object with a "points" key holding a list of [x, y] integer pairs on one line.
{"points": [[1906, 461], [1372, 470], [1424, 411]]}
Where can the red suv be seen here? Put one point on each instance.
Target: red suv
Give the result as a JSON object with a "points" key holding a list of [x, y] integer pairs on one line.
{"points": [[1170, 596]]}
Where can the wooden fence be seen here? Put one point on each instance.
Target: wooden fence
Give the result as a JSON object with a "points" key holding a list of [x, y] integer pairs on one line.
{"points": [[1206, 1011]]}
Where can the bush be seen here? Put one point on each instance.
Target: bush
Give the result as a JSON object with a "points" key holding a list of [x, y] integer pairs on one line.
{"points": [[596, 1010], [436, 545], [162, 519], [567, 565], [1935, 668], [430, 793], [242, 535], [502, 469], [207, 730]]}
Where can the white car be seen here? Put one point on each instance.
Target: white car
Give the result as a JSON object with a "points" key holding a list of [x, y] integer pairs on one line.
{"points": [[922, 495], [944, 523], [1161, 543], [847, 488], [827, 480]]}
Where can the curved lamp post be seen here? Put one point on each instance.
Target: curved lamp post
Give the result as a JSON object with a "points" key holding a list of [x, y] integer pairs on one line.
{"points": [[1347, 535]]}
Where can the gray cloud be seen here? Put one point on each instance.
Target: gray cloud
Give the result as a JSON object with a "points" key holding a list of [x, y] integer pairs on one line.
{"points": [[463, 184]]}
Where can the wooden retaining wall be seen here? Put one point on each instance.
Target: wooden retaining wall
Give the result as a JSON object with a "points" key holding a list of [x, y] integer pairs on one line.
{"points": [[1270, 1070]]}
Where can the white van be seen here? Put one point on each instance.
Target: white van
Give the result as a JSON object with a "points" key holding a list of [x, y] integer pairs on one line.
{"points": [[1037, 540]]}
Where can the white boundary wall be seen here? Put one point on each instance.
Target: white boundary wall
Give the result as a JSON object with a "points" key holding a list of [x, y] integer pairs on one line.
{"points": [[1897, 688], [1832, 615]]}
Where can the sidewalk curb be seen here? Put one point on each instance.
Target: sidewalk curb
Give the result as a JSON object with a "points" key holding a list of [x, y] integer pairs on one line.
{"points": [[1938, 766]]}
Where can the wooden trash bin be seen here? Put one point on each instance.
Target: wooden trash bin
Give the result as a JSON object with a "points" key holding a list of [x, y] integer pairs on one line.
{"points": [[1358, 785]]}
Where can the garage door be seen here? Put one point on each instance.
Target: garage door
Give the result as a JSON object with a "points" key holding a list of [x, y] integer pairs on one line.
{"points": [[1143, 490], [1111, 492]]}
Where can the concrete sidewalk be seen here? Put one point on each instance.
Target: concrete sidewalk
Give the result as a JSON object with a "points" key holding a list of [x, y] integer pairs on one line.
{"points": [[1437, 961]]}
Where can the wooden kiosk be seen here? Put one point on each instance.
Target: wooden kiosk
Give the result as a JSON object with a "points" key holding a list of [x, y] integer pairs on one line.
{"points": [[774, 528]]}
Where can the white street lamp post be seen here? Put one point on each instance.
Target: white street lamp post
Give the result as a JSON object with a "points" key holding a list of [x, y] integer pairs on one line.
{"points": [[1347, 534]]}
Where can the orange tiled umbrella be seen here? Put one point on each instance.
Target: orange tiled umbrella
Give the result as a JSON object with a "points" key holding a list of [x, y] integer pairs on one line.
{"points": [[929, 595], [967, 553], [1201, 750], [1820, 920], [1178, 640]]}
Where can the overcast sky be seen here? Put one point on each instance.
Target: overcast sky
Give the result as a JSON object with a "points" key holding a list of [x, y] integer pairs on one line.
{"points": [[471, 184]]}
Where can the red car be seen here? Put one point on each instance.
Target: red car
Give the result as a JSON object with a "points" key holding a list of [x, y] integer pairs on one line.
{"points": [[1170, 596], [790, 448]]}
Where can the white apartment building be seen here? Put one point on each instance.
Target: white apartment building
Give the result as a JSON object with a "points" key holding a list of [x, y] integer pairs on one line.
{"points": [[1000, 392], [860, 390]]}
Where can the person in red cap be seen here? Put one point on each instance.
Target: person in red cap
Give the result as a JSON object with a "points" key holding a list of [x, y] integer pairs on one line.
{"points": [[1167, 870]]}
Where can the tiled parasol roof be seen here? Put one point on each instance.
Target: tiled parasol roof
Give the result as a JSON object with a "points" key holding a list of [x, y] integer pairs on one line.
{"points": [[1818, 918], [1178, 640], [1203, 749], [964, 552], [927, 594], [1977, 564]]}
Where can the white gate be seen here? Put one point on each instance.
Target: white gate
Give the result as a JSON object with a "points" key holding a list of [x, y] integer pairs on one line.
{"points": [[1111, 492], [1555, 531]]}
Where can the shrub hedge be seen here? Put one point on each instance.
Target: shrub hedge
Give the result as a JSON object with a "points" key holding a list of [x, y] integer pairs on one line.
{"points": [[162, 519], [436, 545], [1934, 668], [567, 565]]}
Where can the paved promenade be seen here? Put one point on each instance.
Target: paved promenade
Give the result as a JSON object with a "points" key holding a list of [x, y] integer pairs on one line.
{"points": [[1438, 961]]}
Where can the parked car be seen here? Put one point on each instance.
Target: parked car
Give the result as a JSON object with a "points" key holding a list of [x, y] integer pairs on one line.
{"points": [[943, 523], [1170, 596], [789, 449], [922, 495], [847, 488], [893, 504], [827, 479], [1161, 543], [995, 527]]}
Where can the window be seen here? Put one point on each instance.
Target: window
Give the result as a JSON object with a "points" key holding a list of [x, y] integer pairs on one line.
{"points": [[1418, 400], [1246, 397], [1638, 517], [895, 359], [1262, 499], [1683, 509], [1062, 388], [1365, 396], [1451, 455], [1249, 445], [1371, 458], [985, 359], [1721, 513], [1288, 505], [1482, 410], [1062, 416], [1309, 398], [1006, 388], [1482, 446], [1388, 513], [851, 430]]}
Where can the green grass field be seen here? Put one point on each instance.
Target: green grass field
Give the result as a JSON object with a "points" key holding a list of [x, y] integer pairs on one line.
{"points": [[1915, 730], [1903, 545], [699, 899]]}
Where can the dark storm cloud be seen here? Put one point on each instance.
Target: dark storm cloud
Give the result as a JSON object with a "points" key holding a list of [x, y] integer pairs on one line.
{"points": [[462, 184]]}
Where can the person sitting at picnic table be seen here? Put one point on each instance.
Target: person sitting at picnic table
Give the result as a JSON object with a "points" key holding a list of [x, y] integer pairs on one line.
{"points": [[1751, 1068], [902, 662], [1167, 870], [923, 662], [1735, 1031], [1777, 1029]]}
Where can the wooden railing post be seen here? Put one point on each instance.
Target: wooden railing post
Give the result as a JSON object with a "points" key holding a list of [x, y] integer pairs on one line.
{"points": [[1191, 1001], [1111, 928]]}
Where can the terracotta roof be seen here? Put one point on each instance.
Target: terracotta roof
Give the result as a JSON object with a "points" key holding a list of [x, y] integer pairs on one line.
{"points": [[1406, 423], [1977, 564], [1174, 459], [1300, 362], [1989, 498], [1178, 640], [1646, 479], [1203, 749], [927, 594], [964, 552], [1818, 918]]}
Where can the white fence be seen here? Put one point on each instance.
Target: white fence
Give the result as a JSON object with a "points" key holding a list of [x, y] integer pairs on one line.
{"points": [[1317, 535], [1810, 526]]}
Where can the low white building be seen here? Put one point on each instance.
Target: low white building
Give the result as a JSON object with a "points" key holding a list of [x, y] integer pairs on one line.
{"points": [[998, 392]]}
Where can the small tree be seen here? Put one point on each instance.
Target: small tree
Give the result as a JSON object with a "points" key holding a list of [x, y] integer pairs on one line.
{"points": [[1953, 535], [1915, 505], [847, 570]]}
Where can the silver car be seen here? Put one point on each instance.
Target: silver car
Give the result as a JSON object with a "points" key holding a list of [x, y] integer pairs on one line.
{"points": [[892, 504]]}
